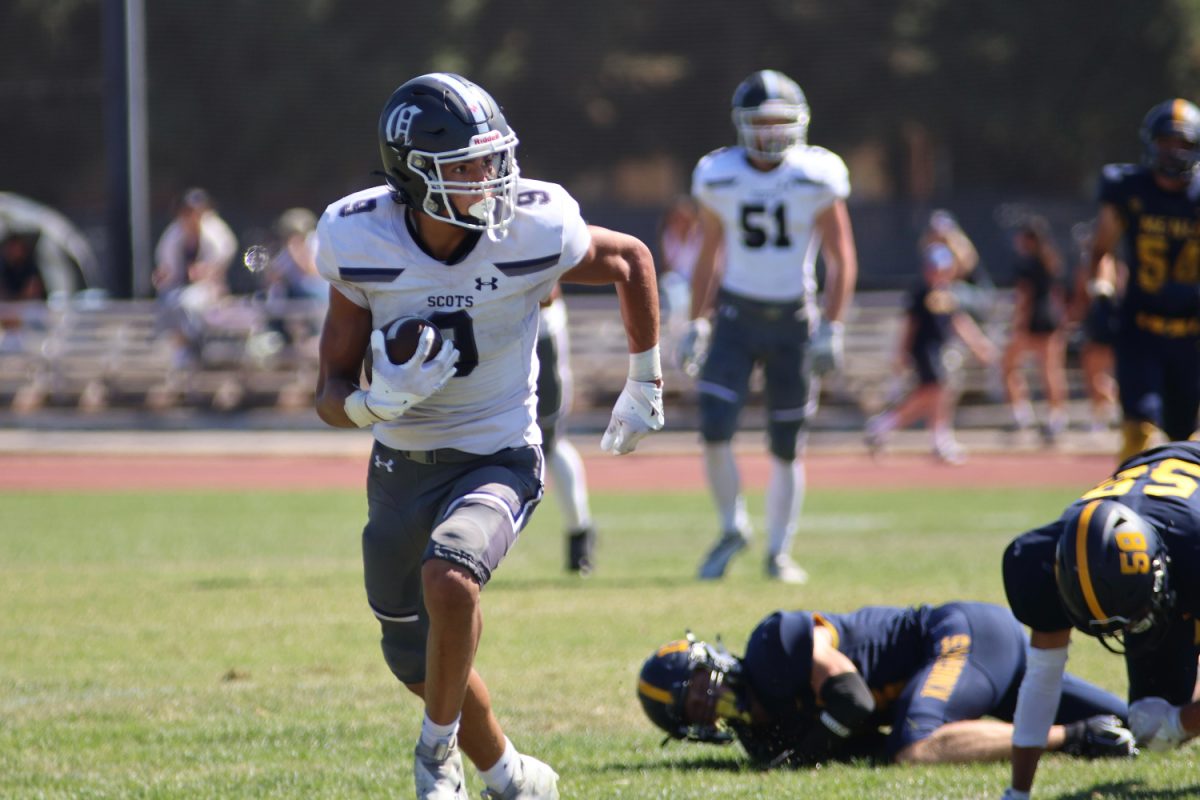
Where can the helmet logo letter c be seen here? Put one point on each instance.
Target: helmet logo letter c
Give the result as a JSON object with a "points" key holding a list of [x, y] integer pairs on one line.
{"points": [[399, 123]]}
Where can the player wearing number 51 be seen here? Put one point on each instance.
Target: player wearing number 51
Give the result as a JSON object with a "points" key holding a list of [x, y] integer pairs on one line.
{"points": [[1151, 209], [1122, 564], [767, 205], [459, 237]]}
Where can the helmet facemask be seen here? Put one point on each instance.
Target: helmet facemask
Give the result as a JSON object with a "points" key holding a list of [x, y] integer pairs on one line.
{"points": [[1146, 629], [703, 692], [768, 131], [1173, 156], [496, 191]]}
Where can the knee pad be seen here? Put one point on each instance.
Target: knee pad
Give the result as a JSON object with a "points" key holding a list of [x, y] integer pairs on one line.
{"points": [[783, 439], [476, 535], [1135, 436], [718, 418], [403, 645]]}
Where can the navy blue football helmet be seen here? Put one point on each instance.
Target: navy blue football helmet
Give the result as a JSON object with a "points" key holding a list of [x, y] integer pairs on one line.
{"points": [[1172, 118], [771, 115], [437, 121], [1111, 568], [667, 676]]}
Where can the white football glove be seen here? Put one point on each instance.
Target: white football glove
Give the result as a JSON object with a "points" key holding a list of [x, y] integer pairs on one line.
{"points": [[826, 350], [639, 410], [1156, 724], [395, 388], [693, 346]]}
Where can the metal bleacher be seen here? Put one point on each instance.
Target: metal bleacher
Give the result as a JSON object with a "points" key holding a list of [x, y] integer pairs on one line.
{"points": [[92, 354]]}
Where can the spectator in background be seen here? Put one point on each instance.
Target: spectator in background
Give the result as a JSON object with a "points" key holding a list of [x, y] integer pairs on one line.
{"points": [[191, 263], [1096, 321], [1037, 328], [20, 280], [554, 392], [292, 273], [971, 282], [680, 236], [20, 277], [934, 315]]}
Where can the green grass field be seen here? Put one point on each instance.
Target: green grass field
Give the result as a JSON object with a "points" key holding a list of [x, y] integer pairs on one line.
{"points": [[218, 645]]}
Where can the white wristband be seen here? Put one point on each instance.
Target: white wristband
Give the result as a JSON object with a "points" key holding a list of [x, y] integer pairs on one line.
{"points": [[645, 366], [358, 411]]}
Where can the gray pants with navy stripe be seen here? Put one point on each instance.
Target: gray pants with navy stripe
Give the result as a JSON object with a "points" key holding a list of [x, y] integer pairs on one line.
{"points": [[466, 510]]}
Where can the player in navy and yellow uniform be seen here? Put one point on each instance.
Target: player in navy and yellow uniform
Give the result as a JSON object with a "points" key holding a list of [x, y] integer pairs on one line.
{"points": [[814, 686], [1122, 563], [1153, 209]]}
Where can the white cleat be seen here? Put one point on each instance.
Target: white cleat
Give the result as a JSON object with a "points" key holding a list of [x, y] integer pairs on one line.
{"points": [[438, 772], [783, 569], [534, 781]]}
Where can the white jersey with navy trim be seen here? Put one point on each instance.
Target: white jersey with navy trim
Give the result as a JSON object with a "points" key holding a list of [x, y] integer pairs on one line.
{"points": [[770, 242], [487, 303]]}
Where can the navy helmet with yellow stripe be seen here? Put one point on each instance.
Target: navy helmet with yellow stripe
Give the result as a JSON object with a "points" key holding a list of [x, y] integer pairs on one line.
{"points": [[684, 688], [1170, 136], [1112, 573]]}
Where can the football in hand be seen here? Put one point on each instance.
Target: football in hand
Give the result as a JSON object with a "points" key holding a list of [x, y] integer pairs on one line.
{"points": [[400, 338]]}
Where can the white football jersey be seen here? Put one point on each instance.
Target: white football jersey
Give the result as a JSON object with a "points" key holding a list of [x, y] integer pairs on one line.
{"points": [[486, 303], [770, 242]]}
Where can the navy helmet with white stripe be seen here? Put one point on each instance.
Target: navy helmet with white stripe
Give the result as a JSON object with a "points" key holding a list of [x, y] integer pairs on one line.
{"points": [[429, 127], [770, 113]]}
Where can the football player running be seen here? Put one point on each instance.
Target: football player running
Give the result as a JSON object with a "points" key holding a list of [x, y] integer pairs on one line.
{"points": [[459, 237], [772, 201], [814, 687], [1122, 564], [1152, 209]]}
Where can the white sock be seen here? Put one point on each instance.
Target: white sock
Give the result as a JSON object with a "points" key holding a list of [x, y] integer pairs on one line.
{"points": [[1022, 412], [785, 497], [569, 483], [726, 487], [501, 774], [433, 734]]}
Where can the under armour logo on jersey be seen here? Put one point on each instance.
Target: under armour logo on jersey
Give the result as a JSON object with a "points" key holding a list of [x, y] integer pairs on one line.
{"points": [[494, 284], [379, 462], [399, 123]]}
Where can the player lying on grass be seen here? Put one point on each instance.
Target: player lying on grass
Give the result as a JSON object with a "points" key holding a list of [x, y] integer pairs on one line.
{"points": [[813, 687]]}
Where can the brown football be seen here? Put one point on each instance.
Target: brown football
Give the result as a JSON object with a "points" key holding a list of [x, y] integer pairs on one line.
{"points": [[401, 336]]}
